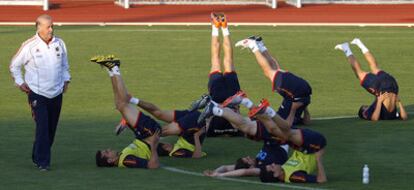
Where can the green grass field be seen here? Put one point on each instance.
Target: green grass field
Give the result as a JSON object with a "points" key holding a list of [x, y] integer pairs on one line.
{"points": [[169, 66]]}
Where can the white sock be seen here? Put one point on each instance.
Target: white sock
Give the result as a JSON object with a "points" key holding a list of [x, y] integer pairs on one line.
{"points": [[247, 103], [134, 100], [115, 70], [110, 73], [262, 47], [225, 31], [217, 111], [270, 112], [214, 31], [361, 46], [345, 48], [254, 47]]}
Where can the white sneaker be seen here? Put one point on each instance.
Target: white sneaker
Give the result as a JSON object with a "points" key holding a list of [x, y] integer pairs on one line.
{"points": [[248, 43], [356, 41], [342, 46]]}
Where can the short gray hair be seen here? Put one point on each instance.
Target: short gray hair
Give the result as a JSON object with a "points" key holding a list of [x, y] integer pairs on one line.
{"points": [[42, 17]]}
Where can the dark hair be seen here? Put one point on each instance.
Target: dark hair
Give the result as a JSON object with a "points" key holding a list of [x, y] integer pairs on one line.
{"points": [[361, 112], [102, 161], [267, 176], [240, 164], [161, 150]]}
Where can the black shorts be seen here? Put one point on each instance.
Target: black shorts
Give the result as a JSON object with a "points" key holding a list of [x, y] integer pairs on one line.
{"points": [[221, 127], [221, 86], [285, 107], [187, 121], [379, 83], [312, 142], [145, 126], [290, 86]]}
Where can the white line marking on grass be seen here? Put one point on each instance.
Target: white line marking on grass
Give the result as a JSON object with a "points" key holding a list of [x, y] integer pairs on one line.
{"points": [[176, 170], [241, 180], [343, 117], [334, 117]]}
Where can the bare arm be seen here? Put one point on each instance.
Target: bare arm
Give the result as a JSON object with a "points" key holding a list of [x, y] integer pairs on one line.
{"points": [[321, 177], [403, 113], [224, 168], [221, 169], [153, 162], [198, 149], [376, 115], [306, 117], [241, 172]]}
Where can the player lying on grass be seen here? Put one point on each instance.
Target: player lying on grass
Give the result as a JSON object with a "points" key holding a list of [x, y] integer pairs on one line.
{"points": [[291, 87], [180, 122], [141, 153], [223, 81], [248, 166], [308, 149], [143, 125], [272, 150], [377, 82], [308, 145]]}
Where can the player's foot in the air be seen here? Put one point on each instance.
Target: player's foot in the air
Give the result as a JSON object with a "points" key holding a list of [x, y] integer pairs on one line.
{"points": [[215, 19], [248, 43], [200, 103], [208, 112], [234, 100], [342, 46], [356, 41], [108, 61], [260, 109], [121, 126], [223, 21], [256, 38]]}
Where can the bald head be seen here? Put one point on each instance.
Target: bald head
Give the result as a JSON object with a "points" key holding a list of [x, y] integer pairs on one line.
{"points": [[44, 27]]}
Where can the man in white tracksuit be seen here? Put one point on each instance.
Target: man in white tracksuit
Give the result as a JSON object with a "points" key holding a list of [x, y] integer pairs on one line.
{"points": [[46, 77]]}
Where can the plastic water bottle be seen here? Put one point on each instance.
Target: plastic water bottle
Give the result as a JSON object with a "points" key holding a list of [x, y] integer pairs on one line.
{"points": [[365, 174]]}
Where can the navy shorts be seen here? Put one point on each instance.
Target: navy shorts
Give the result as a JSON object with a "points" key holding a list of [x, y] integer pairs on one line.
{"points": [[269, 154], [187, 121], [145, 126], [285, 107], [221, 86], [379, 83], [220, 126], [384, 114], [290, 86], [312, 142]]}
